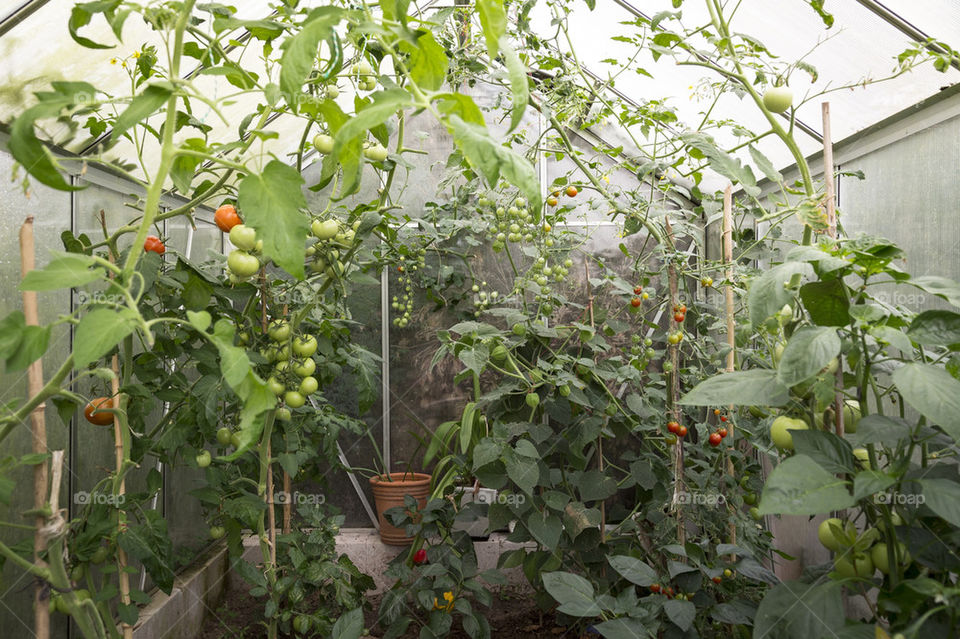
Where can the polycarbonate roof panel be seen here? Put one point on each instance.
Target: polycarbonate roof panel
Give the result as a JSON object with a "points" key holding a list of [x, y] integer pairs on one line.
{"points": [[860, 45], [939, 19]]}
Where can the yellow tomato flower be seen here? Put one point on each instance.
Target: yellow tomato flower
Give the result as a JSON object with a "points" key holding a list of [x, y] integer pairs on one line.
{"points": [[136, 54], [114, 60], [448, 598], [606, 178]]}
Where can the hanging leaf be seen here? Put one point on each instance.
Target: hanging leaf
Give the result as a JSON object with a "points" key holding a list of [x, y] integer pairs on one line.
{"points": [[756, 387], [519, 87], [809, 350], [799, 486], [933, 392], [493, 19]]}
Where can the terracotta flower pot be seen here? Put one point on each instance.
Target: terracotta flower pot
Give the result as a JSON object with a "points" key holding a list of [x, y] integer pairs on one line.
{"points": [[388, 494]]}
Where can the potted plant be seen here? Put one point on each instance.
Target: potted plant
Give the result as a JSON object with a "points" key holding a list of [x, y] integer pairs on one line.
{"points": [[390, 490]]}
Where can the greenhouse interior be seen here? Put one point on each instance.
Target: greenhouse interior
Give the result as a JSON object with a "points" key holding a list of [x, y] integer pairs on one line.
{"points": [[343, 318]]}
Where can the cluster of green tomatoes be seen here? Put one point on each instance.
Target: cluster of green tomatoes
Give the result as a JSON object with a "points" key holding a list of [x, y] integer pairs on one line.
{"points": [[244, 261], [403, 303], [331, 239], [293, 366]]}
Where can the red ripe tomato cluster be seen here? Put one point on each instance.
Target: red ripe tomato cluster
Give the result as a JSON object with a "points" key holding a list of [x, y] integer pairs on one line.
{"points": [[717, 436], [677, 429], [679, 313]]}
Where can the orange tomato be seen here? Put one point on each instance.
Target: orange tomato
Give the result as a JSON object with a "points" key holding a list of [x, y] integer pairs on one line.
{"points": [[226, 217], [154, 244], [95, 413]]}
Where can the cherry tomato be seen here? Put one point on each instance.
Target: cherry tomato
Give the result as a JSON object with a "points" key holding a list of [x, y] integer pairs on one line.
{"points": [[727, 573], [637, 290], [668, 591], [572, 191], [655, 588], [723, 418], [226, 217], [673, 427], [420, 557], [551, 201], [715, 439], [675, 338], [682, 432], [670, 439], [154, 245], [635, 302], [722, 432], [717, 580], [678, 318], [96, 411], [716, 411]]}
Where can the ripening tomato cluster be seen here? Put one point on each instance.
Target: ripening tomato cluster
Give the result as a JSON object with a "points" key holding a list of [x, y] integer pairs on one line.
{"points": [[668, 592], [679, 313], [554, 197], [717, 436], [677, 430]]}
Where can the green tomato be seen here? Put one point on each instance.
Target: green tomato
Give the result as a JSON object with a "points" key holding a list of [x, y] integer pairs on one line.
{"points": [[305, 367], [235, 440], [377, 153], [861, 566], [332, 91], [308, 386], [499, 354], [851, 415], [564, 390], [667, 367], [780, 431], [294, 399], [519, 329], [243, 237], [835, 534], [533, 400], [279, 330], [283, 414], [878, 554], [100, 555], [305, 345], [324, 229], [778, 99], [750, 499], [242, 264], [755, 514], [203, 459], [223, 435], [323, 143], [863, 456], [276, 387], [217, 532]]}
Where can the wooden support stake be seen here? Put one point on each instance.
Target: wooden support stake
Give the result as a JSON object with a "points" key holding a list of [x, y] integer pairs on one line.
{"points": [[831, 204], [271, 513], [673, 390], [731, 323], [38, 429]]}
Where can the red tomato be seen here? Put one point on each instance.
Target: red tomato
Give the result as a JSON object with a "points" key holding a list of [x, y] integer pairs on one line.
{"points": [[154, 244], [682, 431], [226, 217], [420, 557], [637, 290], [572, 191], [678, 317], [722, 432], [673, 427], [655, 588], [635, 302], [715, 439]]}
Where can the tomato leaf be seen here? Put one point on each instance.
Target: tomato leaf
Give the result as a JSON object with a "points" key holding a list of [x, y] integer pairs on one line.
{"points": [[768, 294], [809, 350], [141, 107], [935, 328], [545, 528], [519, 86], [66, 270], [493, 19], [827, 302], [271, 202], [349, 626], [800, 486], [633, 570], [11, 333], [99, 331], [831, 452], [743, 388], [933, 392], [942, 496], [493, 159], [428, 62], [574, 593], [795, 610], [300, 52], [33, 344], [681, 613]]}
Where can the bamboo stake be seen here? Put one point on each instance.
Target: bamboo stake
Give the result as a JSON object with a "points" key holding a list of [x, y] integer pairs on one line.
{"points": [[673, 351], [603, 505], [271, 513], [38, 429], [123, 575], [288, 503], [731, 322], [831, 204]]}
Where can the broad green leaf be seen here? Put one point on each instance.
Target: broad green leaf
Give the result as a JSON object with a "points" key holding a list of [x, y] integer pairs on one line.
{"points": [[142, 107], [799, 486], [942, 496], [461, 105], [493, 19], [300, 53], [869, 482], [940, 286], [493, 159], [826, 263], [11, 332], [574, 594], [623, 628], [633, 570], [428, 62], [80, 17], [827, 302], [595, 485], [723, 163], [348, 141], [521, 471], [809, 350], [545, 528], [519, 87], [99, 331], [271, 202], [33, 344], [935, 328], [829, 451], [681, 613], [765, 165], [66, 270], [768, 294], [796, 610], [349, 626], [756, 387], [878, 429], [933, 392]]}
